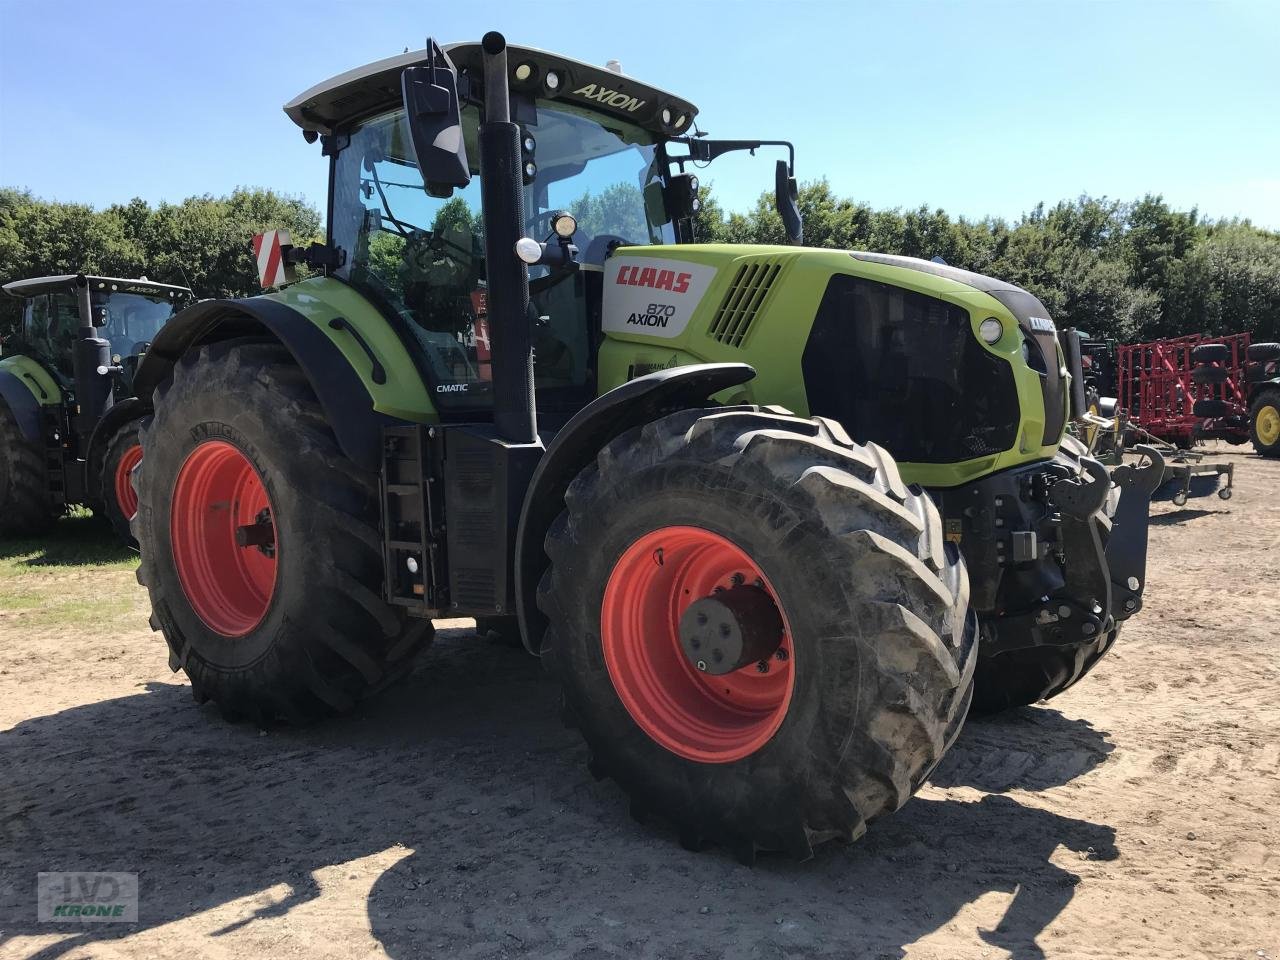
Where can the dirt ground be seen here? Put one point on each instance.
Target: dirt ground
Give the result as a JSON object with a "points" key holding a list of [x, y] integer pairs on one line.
{"points": [[1133, 817]]}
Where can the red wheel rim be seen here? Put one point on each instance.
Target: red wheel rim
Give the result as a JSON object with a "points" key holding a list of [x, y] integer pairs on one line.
{"points": [[220, 502], [702, 717], [126, 499]]}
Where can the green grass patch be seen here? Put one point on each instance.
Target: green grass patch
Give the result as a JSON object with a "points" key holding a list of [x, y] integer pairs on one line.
{"points": [[77, 575], [78, 540]]}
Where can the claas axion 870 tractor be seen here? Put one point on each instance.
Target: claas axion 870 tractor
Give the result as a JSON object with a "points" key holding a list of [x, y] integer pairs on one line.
{"points": [[764, 511]]}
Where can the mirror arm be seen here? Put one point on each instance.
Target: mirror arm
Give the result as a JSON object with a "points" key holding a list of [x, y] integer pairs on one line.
{"points": [[704, 151]]}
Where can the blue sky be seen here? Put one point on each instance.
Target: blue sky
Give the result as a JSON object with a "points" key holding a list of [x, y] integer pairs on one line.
{"points": [[979, 107]]}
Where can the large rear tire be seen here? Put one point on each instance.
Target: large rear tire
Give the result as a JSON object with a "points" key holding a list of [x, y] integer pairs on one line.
{"points": [[25, 508], [260, 544], [118, 499], [837, 559]]}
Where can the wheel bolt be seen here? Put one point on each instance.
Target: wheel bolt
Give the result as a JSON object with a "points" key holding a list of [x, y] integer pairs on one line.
{"points": [[701, 665], [781, 655], [737, 579], [762, 666]]}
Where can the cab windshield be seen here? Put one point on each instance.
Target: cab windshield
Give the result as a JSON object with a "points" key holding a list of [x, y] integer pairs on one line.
{"points": [[423, 256], [130, 321]]}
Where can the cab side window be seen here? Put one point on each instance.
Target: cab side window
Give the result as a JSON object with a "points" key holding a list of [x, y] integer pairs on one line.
{"points": [[35, 327], [64, 318]]}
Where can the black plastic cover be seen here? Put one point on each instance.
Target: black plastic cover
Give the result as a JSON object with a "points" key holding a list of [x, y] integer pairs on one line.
{"points": [[904, 370]]}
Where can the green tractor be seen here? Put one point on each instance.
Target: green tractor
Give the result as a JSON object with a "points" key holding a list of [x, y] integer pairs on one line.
{"points": [[68, 418], [753, 506]]}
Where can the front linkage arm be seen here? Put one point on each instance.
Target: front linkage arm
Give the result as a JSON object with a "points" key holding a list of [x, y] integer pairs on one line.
{"points": [[1127, 548]]}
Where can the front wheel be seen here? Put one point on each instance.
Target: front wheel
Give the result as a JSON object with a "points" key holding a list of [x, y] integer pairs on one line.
{"points": [[758, 628], [115, 491], [260, 543]]}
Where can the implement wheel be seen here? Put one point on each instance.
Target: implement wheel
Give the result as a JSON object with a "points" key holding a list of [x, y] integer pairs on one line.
{"points": [[758, 628], [25, 507], [260, 544], [118, 499], [1264, 423]]}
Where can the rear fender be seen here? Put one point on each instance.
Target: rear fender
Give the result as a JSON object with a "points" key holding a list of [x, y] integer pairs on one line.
{"points": [[17, 396], [629, 405], [357, 365]]}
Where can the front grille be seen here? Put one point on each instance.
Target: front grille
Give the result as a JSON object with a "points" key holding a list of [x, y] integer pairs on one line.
{"points": [[1053, 386], [746, 296]]}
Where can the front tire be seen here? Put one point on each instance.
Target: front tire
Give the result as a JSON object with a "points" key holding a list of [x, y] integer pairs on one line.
{"points": [[118, 499], [260, 543], [872, 673], [1019, 678]]}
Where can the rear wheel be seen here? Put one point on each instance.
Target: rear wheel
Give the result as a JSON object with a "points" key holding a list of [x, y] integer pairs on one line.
{"points": [[25, 507], [116, 494], [758, 628], [1264, 352], [1264, 423], [260, 544], [1211, 353]]}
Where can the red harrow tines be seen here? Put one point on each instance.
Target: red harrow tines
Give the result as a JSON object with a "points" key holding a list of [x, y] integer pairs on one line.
{"points": [[1187, 388]]}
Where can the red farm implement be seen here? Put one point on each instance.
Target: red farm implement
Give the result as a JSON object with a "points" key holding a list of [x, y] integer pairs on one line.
{"points": [[1187, 388]]}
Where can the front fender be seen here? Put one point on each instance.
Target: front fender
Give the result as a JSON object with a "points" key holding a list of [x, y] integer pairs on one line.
{"points": [[117, 415], [629, 405]]}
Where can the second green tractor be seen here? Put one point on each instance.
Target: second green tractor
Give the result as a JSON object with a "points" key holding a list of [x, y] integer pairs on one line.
{"points": [[774, 517]]}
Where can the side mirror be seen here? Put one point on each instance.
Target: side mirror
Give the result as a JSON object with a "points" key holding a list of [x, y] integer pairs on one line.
{"points": [[435, 123], [785, 196]]}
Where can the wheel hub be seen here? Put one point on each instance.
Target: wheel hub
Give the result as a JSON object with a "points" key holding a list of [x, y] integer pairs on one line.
{"points": [[1269, 425], [224, 538], [651, 616], [731, 629]]}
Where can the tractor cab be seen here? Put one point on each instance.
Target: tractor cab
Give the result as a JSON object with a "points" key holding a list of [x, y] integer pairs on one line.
{"points": [[66, 384], [127, 314], [595, 144]]}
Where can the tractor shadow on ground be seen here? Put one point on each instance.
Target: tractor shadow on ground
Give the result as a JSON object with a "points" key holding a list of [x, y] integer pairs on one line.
{"points": [[506, 845], [72, 541], [1030, 748], [1177, 517]]}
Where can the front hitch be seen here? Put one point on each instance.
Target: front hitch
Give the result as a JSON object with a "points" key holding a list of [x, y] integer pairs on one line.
{"points": [[1127, 547]]}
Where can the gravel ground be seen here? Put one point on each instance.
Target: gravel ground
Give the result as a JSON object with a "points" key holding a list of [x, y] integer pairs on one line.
{"points": [[1132, 817]]}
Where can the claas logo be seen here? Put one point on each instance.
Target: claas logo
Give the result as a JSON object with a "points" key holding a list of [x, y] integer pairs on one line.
{"points": [[654, 279]]}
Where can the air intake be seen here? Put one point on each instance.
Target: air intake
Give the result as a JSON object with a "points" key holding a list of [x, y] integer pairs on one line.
{"points": [[746, 296]]}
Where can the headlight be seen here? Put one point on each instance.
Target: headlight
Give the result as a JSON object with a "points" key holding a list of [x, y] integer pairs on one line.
{"points": [[990, 330]]}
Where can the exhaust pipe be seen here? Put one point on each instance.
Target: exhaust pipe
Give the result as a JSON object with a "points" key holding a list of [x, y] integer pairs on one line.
{"points": [[501, 188]]}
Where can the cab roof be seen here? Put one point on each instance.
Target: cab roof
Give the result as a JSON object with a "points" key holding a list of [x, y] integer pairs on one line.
{"points": [[35, 286], [374, 86]]}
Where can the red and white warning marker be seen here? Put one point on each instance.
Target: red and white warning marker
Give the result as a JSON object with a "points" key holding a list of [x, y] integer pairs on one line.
{"points": [[267, 248]]}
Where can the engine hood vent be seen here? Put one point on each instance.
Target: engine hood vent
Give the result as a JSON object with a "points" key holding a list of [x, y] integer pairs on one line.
{"points": [[745, 299]]}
